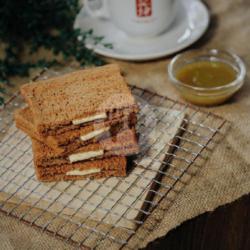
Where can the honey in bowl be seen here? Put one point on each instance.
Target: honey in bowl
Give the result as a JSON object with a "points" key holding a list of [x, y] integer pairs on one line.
{"points": [[206, 74], [207, 77]]}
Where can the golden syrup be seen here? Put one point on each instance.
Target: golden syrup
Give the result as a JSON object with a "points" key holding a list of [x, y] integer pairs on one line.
{"points": [[206, 74]]}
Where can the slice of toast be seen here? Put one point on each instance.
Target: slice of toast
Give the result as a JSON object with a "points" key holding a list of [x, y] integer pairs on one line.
{"points": [[95, 169], [78, 98], [70, 141], [122, 144]]}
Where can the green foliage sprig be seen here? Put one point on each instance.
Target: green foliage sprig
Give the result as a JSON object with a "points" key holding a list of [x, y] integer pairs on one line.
{"points": [[45, 24]]}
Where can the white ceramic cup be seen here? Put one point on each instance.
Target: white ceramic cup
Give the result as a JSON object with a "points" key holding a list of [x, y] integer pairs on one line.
{"points": [[140, 18]]}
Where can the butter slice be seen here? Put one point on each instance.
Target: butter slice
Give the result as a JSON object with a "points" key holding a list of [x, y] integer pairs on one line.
{"points": [[84, 172], [89, 118], [94, 134], [85, 155]]}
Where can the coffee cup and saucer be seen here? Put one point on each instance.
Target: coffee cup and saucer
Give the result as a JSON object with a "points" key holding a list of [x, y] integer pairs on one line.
{"points": [[143, 29]]}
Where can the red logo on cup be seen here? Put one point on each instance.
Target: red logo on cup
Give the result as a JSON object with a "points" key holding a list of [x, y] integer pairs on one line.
{"points": [[143, 8]]}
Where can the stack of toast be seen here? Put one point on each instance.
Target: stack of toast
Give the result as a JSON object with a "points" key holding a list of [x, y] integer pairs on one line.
{"points": [[82, 124]]}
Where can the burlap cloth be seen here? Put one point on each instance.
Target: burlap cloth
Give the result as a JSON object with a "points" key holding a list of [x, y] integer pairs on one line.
{"points": [[226, 175]]}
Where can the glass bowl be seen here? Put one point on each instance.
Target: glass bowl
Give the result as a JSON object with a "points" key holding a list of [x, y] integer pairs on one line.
{"points": [[207, 96]]}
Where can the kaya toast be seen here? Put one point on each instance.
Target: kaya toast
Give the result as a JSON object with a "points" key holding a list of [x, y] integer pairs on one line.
{"points": [[76, 99], [71, 140], [95, 169], [123, 144]]}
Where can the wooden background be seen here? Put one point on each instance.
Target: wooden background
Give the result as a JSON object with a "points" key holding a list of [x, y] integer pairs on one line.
{"points": [[227, 228]]}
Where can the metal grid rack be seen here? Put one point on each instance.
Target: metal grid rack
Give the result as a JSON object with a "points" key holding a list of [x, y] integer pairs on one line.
{"points": [[56, 207]]}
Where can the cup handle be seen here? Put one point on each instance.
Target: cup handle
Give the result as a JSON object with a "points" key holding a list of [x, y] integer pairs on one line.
{"points": [[101, 12]]}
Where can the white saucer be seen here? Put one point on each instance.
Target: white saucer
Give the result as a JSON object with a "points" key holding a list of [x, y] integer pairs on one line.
{"points": [[190, 24]]}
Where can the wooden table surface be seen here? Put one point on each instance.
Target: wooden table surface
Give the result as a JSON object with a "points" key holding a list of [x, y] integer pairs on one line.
{"points": [[227, 228]]}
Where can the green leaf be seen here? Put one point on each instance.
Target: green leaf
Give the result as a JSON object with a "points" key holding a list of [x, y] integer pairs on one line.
{"points": [[1, 100], [43, 24]]}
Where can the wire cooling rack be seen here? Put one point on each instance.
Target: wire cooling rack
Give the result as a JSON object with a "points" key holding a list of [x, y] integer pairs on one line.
{"points": [[121, 211]]}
